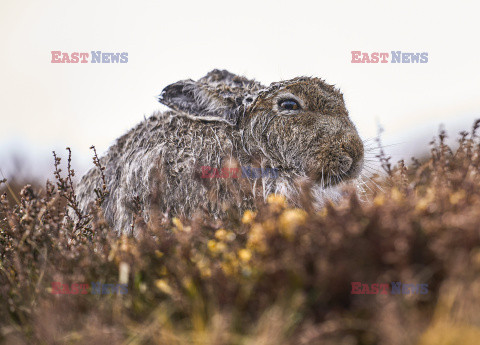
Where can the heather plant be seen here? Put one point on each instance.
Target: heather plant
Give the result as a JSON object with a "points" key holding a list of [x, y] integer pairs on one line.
{"points": [[276, 275]]}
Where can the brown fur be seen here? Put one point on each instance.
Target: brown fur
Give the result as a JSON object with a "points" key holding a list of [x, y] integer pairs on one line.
{"points": [[223, 119]]}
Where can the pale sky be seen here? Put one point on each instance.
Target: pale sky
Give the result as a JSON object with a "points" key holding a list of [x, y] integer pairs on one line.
{"points": [[45, 106]]}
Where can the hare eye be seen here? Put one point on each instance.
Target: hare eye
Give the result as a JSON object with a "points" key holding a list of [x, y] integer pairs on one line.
{"points": [[289, 104]]}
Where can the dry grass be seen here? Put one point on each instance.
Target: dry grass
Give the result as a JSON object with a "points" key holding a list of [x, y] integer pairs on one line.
{"points": [[277, 276]]}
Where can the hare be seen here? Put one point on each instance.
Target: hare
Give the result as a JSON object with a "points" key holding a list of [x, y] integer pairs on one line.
{"points": [[300, 127]]}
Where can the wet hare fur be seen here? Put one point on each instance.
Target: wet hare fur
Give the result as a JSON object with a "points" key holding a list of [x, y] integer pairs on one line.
{"points": [[300, 127]]}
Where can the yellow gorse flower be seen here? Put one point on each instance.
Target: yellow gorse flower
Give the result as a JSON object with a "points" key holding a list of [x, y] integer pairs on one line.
{"points": [[248, 217], [221, 234], [289, 220], [245, 255], [277, 201]]}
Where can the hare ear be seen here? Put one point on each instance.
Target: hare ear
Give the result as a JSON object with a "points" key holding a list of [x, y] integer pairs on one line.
{"points": [[203, 101], [179, 96], [219, 96]]}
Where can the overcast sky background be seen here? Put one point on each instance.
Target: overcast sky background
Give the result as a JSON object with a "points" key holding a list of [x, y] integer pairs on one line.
{"points": [[45, 106]]}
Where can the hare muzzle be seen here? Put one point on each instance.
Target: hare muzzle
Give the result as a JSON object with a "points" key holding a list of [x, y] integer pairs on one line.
{"points": [[339, 162], [344, 163]]}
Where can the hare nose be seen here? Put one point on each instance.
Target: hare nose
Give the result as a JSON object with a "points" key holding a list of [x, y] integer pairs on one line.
{"points": [[344, 163]]}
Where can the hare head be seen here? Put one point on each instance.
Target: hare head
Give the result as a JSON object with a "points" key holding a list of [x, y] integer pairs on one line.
{"points": [[300, 126]]}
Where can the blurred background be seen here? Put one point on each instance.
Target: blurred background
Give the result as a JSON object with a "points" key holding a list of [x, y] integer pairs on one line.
{"points": [[45, 106]]}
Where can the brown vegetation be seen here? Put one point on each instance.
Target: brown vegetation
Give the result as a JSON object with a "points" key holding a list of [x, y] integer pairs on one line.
{"points": [[277, 276]]}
